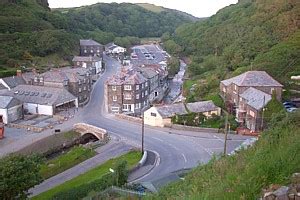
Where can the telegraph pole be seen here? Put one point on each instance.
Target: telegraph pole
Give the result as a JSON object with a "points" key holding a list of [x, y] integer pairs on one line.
{"points": [[226, 132], [143, 131], [262, 115]]}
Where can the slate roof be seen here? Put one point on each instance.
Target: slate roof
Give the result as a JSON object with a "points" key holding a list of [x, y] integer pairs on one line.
{"points": [[41, 95], [89, 42], [202, 106], [8, 102], [171, 110], [64, 74], [256, 98], [2, 87], [131, 77], [253, 78], [147, 72], [86, 59], [13, 81]]}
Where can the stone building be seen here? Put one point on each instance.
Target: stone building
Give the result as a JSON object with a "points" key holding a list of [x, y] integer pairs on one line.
{"points": [[92, 63], [127, 92], [91, 48]]}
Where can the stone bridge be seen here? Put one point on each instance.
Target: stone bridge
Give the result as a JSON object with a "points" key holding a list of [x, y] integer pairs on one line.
{"points": [[85, 129]]}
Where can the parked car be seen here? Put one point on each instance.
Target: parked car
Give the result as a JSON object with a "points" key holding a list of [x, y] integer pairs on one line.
{"points": [[289, 103], [292, 109]]}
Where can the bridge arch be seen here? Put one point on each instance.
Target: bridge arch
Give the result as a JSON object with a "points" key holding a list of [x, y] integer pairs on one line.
{"points": [[87, 129]]}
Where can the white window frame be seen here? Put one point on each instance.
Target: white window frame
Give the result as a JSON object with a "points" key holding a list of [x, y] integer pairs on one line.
{"points": [[79, 89], [84, 88], [137, 87], [113, 87], [138, 96], [115, 98], [127, 87], [142, 94], [146, 84], [146, 93], [127, 96]]}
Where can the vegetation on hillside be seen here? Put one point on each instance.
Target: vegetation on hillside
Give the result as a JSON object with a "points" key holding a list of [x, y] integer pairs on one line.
{"points": [[272, 160], [30, 27], [258, 35]]}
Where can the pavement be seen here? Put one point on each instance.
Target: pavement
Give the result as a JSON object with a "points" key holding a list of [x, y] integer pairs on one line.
{"points": [[177, 150]]}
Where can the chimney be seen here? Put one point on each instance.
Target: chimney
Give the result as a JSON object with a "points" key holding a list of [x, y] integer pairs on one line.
{"points": [[19, 73]]}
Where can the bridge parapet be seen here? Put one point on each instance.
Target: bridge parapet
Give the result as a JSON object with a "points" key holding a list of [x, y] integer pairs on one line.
{"points": [[84, 128]]}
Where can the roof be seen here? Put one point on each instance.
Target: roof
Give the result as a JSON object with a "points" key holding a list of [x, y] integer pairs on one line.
{"points": [[86, 59], [202, 106], [13, 81], [89, 42], [147, 72], [253, 78], [41, 95], [130, 77], [65, 74], [2, 87], [167, 111], [256, 98], [8, 102]]}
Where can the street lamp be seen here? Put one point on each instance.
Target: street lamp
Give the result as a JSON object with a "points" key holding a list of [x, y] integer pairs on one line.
{"points": [[143, 131]]}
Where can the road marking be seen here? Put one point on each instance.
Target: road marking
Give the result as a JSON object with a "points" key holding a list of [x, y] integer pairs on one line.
{"points": [[185, 160], [171, 145], [157, 139]]}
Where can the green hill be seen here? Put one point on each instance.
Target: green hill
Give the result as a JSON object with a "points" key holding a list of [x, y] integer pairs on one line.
{"points": [[33, 35], [253, 34]]}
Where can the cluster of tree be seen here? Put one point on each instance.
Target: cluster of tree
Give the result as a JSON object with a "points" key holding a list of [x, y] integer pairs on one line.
{"points": [[29, 25], [249, 35]]}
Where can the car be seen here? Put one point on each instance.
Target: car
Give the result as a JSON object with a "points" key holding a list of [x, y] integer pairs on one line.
{"points": [[292, 109], [289, 103]]}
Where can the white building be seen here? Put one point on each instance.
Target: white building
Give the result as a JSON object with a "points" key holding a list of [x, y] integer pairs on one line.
{"points": [[43, 100], [161, 116], [112, 48], [10, 109], [92, 63]]}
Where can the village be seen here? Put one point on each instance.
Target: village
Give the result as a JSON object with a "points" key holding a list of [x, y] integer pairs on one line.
{"points": [[140, 88]]}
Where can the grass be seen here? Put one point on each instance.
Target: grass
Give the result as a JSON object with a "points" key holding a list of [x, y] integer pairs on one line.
{"points": [[151, 7], [65, 161], [132, 159], [272, 160]]}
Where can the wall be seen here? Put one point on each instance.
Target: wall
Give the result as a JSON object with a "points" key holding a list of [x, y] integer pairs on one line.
{"points": [[31, 108], [153, 120], [15, 113], [3, 112], [45, 110]]}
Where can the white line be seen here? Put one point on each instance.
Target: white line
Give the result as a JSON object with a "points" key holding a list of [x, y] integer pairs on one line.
{"points": [[185, 160], [157, 139], [171, 145]]}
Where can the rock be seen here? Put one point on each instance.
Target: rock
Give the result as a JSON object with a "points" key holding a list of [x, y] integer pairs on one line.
{"points": [[269, 196], [296, 178]]}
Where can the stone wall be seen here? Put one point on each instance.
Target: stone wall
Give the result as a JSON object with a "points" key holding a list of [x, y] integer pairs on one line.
{"points": [[277, 192], [129, 118], [83, 128]]}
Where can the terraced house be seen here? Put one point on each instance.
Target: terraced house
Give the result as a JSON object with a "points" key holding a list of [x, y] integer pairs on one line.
{"points": [[246, 96], [91, 48], [127, 92]]}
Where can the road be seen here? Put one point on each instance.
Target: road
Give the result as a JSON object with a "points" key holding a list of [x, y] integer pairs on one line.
{"points": [[176, 151]]}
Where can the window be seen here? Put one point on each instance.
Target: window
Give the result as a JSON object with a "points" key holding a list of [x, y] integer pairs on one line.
{"points": [[115, 98], [85, 51], [41, 79], [79, 82], [137, 106], [113, 88], [115, 109], [146, 93], [153, 114], [84, 80], [127, 87], [126, 107], [92, 51], [84, 88], [137, 87], [137, 96], [127, 96], [224, 89], [98, 51], [35, 79], [272, 90], [251, 113], [209, 112], [146, 84], [79, 89], [142, 94], [143, 86], [80, 98]]}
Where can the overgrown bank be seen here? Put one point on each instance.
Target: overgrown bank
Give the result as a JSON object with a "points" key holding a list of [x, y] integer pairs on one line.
{"points": [[272, 160]]}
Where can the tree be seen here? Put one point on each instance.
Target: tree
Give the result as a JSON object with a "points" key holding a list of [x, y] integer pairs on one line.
{"points": [[121, 173], [17, 175]]}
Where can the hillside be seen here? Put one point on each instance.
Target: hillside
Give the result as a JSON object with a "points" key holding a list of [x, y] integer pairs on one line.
{"points": [[253, 34], [272, 160], [158, 9], [33, 35]]}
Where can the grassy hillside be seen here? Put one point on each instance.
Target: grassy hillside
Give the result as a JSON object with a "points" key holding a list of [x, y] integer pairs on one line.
{"points": [[30, 32], [272, 160], [253, 34]]}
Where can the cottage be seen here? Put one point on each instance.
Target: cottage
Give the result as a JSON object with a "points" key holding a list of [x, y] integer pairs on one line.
{"points": [[10, 109], [112, 48], [90, 48], [92, 63], [161, 115], [42, 100]]}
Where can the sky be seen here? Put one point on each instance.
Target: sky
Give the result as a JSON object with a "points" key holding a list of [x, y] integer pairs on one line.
{"points": [[198, 8]]}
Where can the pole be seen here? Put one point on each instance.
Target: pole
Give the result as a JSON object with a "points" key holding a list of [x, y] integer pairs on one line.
{"points": [[226, 132], [143, 130], [262, 115]]}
